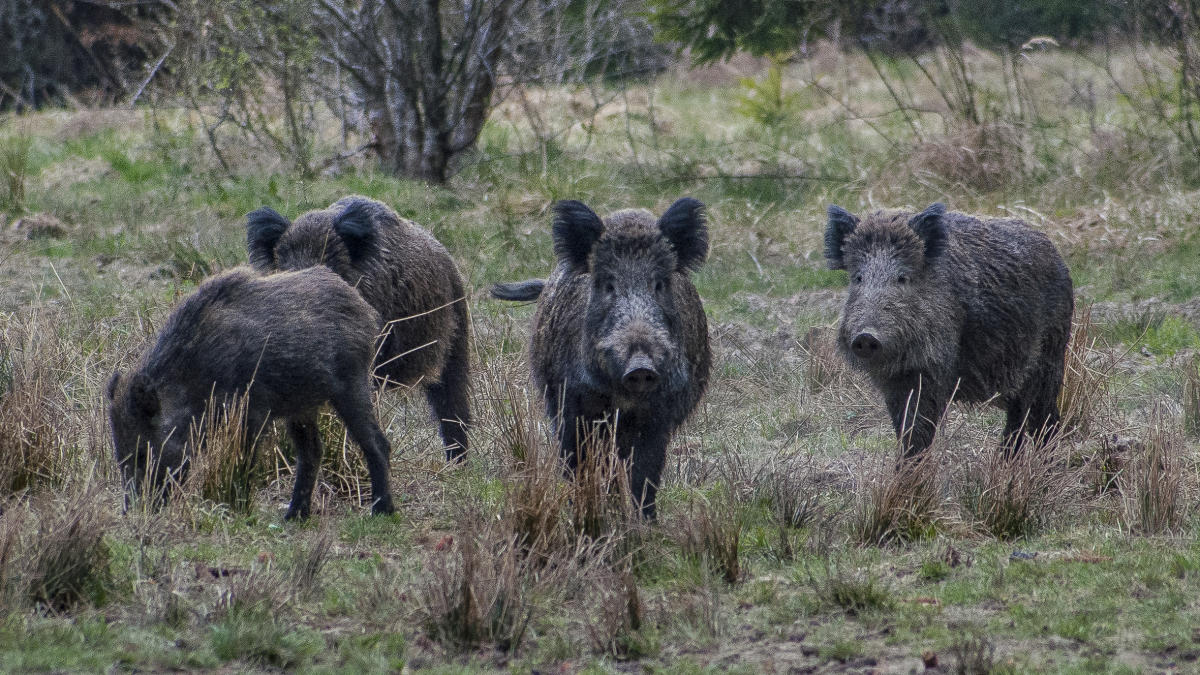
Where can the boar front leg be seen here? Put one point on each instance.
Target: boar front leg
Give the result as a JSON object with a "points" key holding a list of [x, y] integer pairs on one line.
{"points": [[308, 459], [649, 453], [915, 405]]}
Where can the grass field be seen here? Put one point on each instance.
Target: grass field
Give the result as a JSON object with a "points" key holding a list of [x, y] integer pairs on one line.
{"points": [[786, 541]]}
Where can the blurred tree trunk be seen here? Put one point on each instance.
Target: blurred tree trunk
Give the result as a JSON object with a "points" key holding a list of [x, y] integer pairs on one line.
{"points": [[425, 72]]}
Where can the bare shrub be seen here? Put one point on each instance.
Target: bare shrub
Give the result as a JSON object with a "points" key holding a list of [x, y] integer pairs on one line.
{"points": [[53, 551], [899, 505], [1191, 396], [34, 403], [1151, 485]]}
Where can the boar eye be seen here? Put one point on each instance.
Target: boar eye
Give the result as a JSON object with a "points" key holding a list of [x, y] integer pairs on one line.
{"points": [[858, 278], [902, 279], [609, 287], [659, 285]]}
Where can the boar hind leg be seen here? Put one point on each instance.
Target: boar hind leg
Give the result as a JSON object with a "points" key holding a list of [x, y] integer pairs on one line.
{"points": [[1034, 411], [358, 414], [449, 401], [915, 405], [308, 459]]}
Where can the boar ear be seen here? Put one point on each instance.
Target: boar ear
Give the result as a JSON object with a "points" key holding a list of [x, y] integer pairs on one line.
{"points": [[356, 226], [264, 227], [929, 225], [143, 397], [110, 389], [576, 230], [684, 226], [841, 223]]}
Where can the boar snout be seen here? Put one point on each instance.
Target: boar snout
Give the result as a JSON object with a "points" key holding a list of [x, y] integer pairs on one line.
{"points": [[865, 345], [640, 376]]}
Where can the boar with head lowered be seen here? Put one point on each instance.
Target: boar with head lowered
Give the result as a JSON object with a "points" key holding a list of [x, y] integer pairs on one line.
{"points": [[406, 275], [619, 335], [290, 343], [942, 305]]}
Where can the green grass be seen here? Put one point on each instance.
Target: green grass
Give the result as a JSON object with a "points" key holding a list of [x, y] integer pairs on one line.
{"points": [[151, 214]]}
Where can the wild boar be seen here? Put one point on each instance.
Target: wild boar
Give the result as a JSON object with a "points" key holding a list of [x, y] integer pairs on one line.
{"points": [[620, 333], [406, 275], [944, 304], [294, 341]]}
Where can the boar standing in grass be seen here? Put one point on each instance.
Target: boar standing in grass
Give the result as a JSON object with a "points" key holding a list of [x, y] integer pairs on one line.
{"points": [[295, 341], [942, 305], [620, 334], [406, 275]]}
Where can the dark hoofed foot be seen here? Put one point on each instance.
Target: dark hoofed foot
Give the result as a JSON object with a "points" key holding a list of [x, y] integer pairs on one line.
{"points": [[294, 513], [383, 507]]}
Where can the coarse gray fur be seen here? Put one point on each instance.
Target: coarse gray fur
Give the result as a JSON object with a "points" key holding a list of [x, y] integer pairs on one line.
{"points": [[406, 275], [620, 333], [294, 340], [945, 304]]}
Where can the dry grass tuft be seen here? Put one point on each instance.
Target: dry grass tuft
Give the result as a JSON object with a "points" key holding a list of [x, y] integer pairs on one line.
{"points": [[1152, 483], [711, 532], [825, 365], [224, 465], [786, 488], [1087, 374], [14, 170], [974, 654], [537, 496], [983, 158], [34, 404], [612, 611], [1191, 396], [899, 505], [852, 590], [53, 552], [481, 588], [600, 496], [1009, 497]]}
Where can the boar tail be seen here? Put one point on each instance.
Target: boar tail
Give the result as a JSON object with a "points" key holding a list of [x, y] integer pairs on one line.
{"points": [[519, 291]]}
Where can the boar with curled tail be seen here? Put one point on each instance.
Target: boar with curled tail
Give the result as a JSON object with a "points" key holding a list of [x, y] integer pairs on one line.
{"points": [[290, 342], [942, 305], [406, 275], [620, 334]]}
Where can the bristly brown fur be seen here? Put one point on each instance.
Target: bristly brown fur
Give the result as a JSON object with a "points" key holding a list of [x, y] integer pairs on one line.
{"points": [[289, 342], [632, 303], [943, 305], [406, 275]]}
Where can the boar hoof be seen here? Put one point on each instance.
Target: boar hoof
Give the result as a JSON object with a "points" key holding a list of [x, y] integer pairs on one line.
{"points": [[383, 507], [294, 513]]}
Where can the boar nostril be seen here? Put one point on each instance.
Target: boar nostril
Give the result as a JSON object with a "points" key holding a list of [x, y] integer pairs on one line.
{"points": [[640, 380], [865, 345]]}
